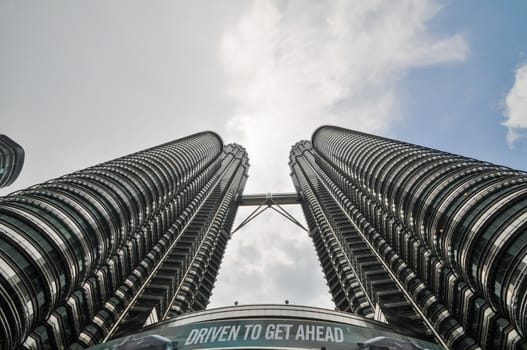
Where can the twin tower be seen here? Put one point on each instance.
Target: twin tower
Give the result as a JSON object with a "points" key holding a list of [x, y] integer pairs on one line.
{"points": [[432, 244]]}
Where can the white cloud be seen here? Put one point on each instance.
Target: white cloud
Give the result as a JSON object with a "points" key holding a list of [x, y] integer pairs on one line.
{"points": [[290, 67], [269, 262], [516, 107]]}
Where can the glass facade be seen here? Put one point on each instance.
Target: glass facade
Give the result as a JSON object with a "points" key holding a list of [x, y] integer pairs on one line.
{"points": [[11, 160], [437, 238], [116, 246], [416, 244]]}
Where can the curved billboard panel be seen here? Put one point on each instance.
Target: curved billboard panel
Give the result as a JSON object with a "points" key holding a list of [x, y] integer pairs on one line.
{"points": [[290, 327]]}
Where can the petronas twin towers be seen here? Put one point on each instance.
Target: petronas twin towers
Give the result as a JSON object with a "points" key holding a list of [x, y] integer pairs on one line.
{"points": [[118, 245], [432, 244], [413, 233]]}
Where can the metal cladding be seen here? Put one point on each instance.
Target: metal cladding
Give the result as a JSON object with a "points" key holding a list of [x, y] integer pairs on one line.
{"points": [[117, 245], [11, 160], [448, 232]]}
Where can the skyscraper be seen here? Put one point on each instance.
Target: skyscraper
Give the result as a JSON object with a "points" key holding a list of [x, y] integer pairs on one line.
{"points": [[11, 160], [431, 244], [418, 236], [118, 245]]}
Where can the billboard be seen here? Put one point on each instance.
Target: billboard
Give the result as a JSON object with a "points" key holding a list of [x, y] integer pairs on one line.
{"points": [[266, 333]]}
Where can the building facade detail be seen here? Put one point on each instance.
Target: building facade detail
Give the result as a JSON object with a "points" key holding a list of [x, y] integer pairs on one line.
{"points": [[117, 245], [431, 244], [11, 160], [440, 235]]}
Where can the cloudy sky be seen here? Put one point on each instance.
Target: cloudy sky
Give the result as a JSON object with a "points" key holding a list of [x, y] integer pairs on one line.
{"points": [[82, 82]]}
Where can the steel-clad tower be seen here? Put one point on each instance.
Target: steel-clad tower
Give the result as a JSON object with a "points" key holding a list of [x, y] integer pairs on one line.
{"points": [[118, 245], [11, 160], [432, 244], [418, 236]]}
